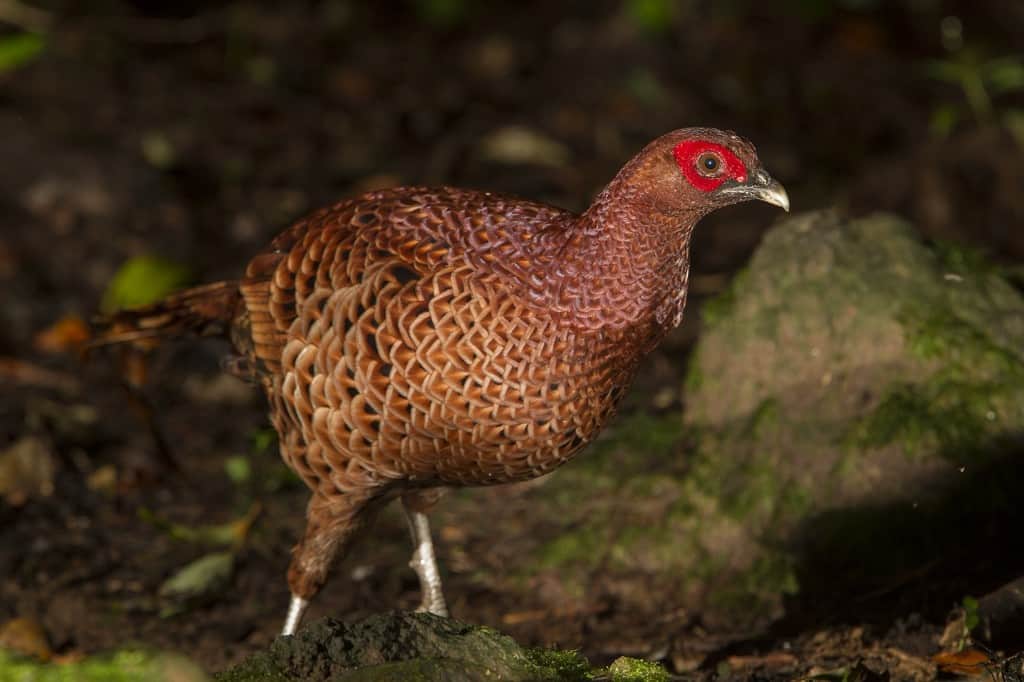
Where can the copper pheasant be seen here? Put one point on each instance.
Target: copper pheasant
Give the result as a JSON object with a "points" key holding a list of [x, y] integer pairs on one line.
{"points": [[414, 339]]}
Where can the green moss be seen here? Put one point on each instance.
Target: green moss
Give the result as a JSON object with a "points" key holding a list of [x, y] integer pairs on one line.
{"points": [[643, 432], [795, 501], [556, 664], [636, 444], [754, 494], [963, 260], [754, 590], [581, 548], [625, 669], [421, 670], [746, 484], [764, 419], [946, 416], [257, 668], [122, 666], [637, 459], [905, 416], [694, 378], [720, 307], [404, 646], [942, 335], [973, 380]]}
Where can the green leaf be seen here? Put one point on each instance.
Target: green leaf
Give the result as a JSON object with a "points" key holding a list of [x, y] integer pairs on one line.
{"points": [[1005, 74], [197, 582], [238, 469], [1013, 119], [442, 13], [944, 120], [143, 280], [19, 49], [971, 617], [158, 150], [651, 15], [263, 440], [233, 533], [644, 85]]}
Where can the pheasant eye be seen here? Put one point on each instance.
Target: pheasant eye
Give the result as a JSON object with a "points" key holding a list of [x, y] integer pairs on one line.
{"points": [[708, 163]]}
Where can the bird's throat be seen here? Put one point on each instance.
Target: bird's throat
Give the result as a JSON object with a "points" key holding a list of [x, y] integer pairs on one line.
{"points": [[636, 264]]}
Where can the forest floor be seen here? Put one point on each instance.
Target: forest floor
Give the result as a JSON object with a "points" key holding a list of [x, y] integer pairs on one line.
{"points": [[197, 133]]}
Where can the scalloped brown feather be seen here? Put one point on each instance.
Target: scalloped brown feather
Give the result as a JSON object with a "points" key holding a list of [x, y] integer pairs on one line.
{"points": [[414, 339]]}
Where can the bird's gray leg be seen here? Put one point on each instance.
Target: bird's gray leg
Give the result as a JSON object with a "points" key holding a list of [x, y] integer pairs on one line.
{"points": [[424, 562], [295, 611]]}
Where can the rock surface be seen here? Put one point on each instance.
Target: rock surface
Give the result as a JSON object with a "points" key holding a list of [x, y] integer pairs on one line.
{"points": [[853, 392]]}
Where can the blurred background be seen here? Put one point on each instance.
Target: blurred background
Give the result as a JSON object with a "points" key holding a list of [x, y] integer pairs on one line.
{"points": [[146, 145]]}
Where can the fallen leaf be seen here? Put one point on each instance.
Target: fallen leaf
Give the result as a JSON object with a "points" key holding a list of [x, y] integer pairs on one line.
{"points": [[66, 335], [197, 582], [233, 533], [26, 637], [775, 659], [13, 370], [519, 145], [26, 471], [132, 361], [857, 673], [453, 534], [103, 480], [520, 617], [966, 662]]}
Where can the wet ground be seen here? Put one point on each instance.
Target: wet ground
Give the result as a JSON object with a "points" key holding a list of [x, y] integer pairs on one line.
{"points": [[197, 130]]}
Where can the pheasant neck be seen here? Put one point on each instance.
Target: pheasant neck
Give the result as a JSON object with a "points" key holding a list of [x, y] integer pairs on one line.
{"points": [[629, 263]]}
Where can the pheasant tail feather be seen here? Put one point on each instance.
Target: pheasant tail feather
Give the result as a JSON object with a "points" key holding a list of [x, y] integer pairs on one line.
{"points": [[207, 310]]}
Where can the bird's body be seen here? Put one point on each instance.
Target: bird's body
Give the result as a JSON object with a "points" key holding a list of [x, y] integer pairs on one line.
{"points": [[414, 339]]}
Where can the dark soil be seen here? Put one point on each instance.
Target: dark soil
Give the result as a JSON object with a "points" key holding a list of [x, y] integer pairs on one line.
{"points": [[196, 131]]}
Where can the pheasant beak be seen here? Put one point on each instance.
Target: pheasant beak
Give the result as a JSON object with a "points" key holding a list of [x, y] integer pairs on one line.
{"points": [[766, 188], [762, 187]]}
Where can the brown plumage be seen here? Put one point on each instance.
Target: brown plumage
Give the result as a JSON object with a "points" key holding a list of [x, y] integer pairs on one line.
{"points": [[414, 339]]}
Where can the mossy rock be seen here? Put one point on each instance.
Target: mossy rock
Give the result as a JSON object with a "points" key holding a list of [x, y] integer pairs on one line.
{"points": [[852, 395], [404, 646], [855, 400], [626, 669]]}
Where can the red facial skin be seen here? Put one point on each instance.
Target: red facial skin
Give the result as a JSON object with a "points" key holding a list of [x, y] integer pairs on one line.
{"points": [[730, 167]]}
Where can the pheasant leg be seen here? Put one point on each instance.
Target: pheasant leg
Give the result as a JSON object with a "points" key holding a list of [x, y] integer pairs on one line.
{"points": [[424, 562], [296, 608], [330, 526]]}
